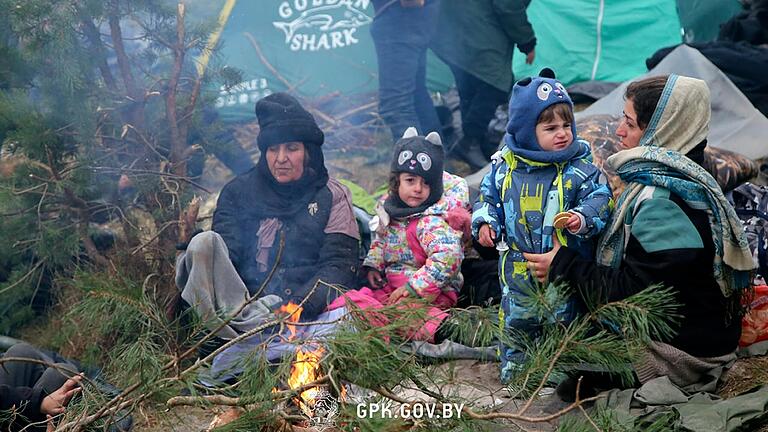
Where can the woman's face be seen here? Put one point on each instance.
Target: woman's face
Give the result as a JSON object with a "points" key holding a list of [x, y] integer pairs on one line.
{"points": [[629, 131], [286, 161]]}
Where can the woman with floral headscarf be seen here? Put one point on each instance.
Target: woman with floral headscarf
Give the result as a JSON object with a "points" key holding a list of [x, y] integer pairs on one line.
{"points": [[672, 226]]}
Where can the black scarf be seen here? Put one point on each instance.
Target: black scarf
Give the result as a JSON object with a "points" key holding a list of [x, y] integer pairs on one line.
{"points": [[397, 209], [280, 200]]}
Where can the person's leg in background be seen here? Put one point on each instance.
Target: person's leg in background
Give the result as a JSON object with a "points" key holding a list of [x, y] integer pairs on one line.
{"points": [[401, 37], [425, 107], [468, 147], [398, 62], [482, 108]]}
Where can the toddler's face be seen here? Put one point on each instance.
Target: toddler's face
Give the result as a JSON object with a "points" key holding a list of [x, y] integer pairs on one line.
{"points": [[554, 135], [413, 190]]}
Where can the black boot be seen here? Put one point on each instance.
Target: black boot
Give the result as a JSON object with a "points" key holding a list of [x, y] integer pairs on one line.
{"points": [[468, 150]]}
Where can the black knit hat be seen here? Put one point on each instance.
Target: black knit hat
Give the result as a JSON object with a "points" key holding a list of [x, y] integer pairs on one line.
{"points": [[282, 119], [422, 156]]}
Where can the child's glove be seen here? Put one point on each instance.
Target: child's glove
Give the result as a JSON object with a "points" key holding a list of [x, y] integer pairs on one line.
{"points": [[486, 236]]}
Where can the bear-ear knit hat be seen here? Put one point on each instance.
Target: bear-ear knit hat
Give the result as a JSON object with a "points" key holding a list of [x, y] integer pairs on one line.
{"points": [[282, 119], [530, 97], [424, 157]]}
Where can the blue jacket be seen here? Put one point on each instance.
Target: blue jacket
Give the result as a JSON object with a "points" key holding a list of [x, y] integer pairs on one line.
{"points": [[521, 197], [531, 194]]}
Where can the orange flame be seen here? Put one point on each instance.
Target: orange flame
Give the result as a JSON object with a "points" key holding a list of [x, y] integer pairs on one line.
{"points": [[294, 313], [306, 369]]}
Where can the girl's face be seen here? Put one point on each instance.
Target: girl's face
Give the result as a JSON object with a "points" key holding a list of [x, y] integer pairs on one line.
{"points": [[629, 131], [554, 135], [413, 190]]}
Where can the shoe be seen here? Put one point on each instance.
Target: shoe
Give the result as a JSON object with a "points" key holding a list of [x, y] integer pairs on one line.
{"points": [[468, 150], [592, 383]]}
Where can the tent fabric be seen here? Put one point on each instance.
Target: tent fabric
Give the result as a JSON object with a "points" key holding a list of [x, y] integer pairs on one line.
{"points": [[590, 91], [694, 411], [323, 47], [736, 125], [746, 65]]}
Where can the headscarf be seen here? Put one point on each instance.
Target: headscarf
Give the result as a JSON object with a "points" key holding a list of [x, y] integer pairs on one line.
{"points": [[679, 124]]}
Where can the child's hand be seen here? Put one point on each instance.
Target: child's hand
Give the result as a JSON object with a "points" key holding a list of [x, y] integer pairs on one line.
{"points": [[397, 294], [374, 279], [574, 223], [55, 402], [486, 236], [539, 264]]}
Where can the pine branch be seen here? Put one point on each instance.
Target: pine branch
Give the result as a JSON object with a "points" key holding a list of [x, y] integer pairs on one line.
{"points": [[239, 401], [23, 278], [564, 345]]}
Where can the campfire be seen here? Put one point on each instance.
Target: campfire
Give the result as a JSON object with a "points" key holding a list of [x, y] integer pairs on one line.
{"points": [[306, 367], [316, 403]]}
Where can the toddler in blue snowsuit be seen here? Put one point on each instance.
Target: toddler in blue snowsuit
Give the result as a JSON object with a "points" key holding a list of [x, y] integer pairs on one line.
{"points": [[541, 171]]}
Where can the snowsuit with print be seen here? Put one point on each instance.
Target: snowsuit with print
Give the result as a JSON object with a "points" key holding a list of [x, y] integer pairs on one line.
{"points": [[522, 194], [422, 252]]}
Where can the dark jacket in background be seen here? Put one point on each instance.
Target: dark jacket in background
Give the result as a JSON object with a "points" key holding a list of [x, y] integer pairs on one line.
{"points": [[479, 36]]}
